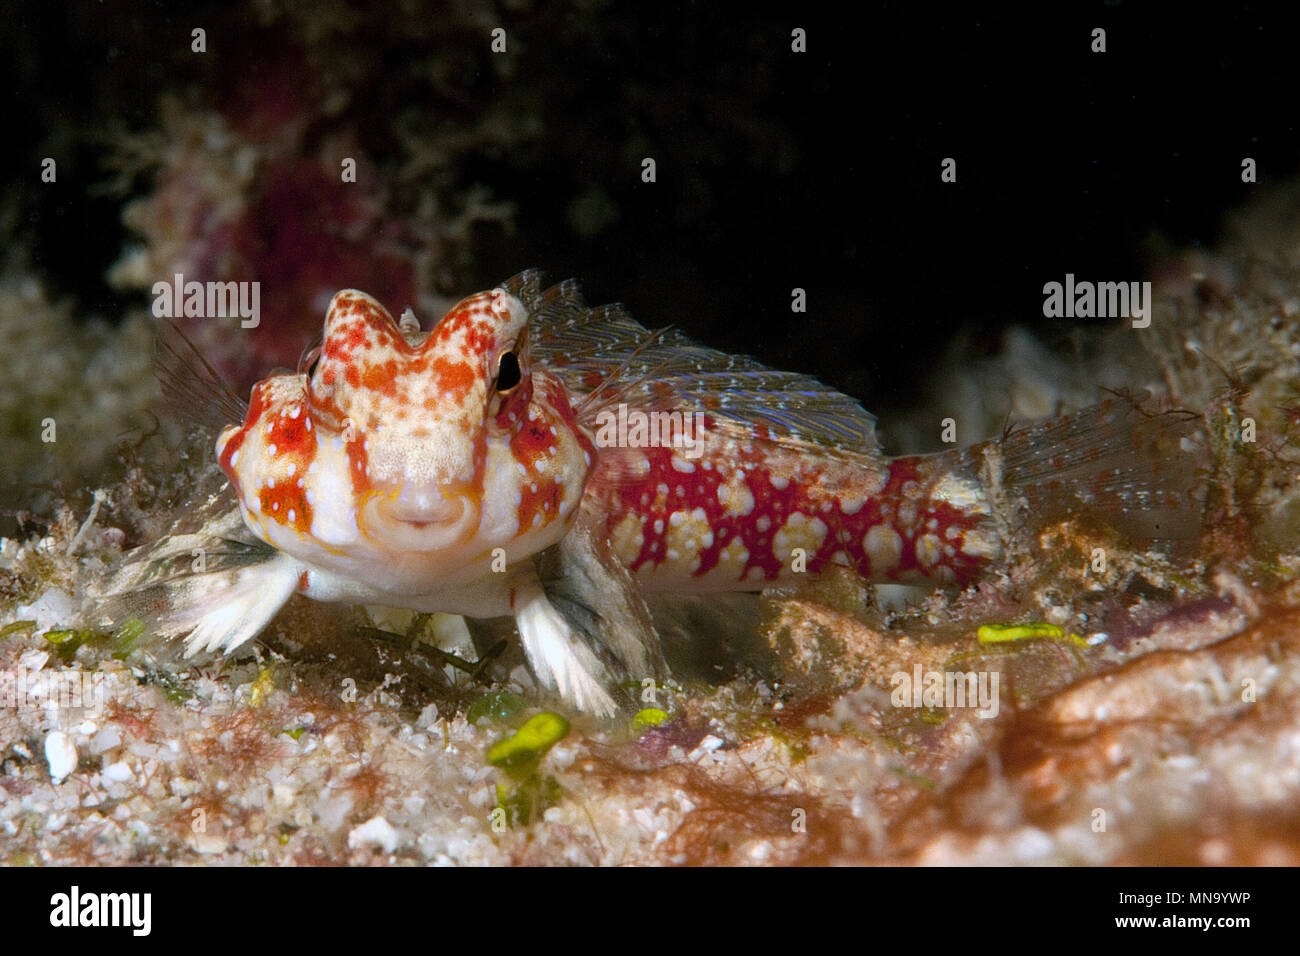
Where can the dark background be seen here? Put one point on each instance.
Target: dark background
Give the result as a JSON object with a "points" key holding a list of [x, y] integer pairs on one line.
{"points": [[775, 170]]}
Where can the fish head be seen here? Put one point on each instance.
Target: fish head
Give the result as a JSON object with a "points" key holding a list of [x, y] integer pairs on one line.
{"points": [[425, 456]]}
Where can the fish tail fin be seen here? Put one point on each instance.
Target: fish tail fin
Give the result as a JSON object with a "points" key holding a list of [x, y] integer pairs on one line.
{"points": [[1141, 472]]}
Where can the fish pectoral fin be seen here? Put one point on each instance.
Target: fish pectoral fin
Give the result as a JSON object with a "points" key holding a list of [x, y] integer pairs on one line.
{"points": [[558, 656], [598, 596], [222, 611]]}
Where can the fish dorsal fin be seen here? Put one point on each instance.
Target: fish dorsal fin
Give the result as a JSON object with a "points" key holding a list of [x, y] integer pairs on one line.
{"points": [[190, 385], [604, 353]]}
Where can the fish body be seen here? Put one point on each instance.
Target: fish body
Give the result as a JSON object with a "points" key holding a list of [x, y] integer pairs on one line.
{"points": [[456, 469]]}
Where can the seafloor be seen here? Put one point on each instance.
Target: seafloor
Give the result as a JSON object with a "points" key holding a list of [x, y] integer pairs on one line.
{"points": [[342, 736]]}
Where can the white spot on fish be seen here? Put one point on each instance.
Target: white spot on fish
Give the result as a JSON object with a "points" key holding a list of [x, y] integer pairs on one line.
{"points": [[929, 549], [884, 548]]}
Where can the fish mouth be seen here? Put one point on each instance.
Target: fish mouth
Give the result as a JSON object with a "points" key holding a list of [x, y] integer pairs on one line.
{"points": [[427, 520]]}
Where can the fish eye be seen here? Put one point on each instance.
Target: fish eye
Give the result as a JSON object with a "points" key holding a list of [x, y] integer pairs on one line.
{"points": [[508, 372]]}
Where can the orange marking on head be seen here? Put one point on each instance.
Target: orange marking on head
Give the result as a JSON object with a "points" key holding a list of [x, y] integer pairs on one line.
{"points": [[256, 408], [479, 338], [456, 377], [381, 378], [545, 501], [286, 504], [358, 467]]}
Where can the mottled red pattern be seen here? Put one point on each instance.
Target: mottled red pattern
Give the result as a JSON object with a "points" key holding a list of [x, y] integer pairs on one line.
{"points": [[773, 506]]}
